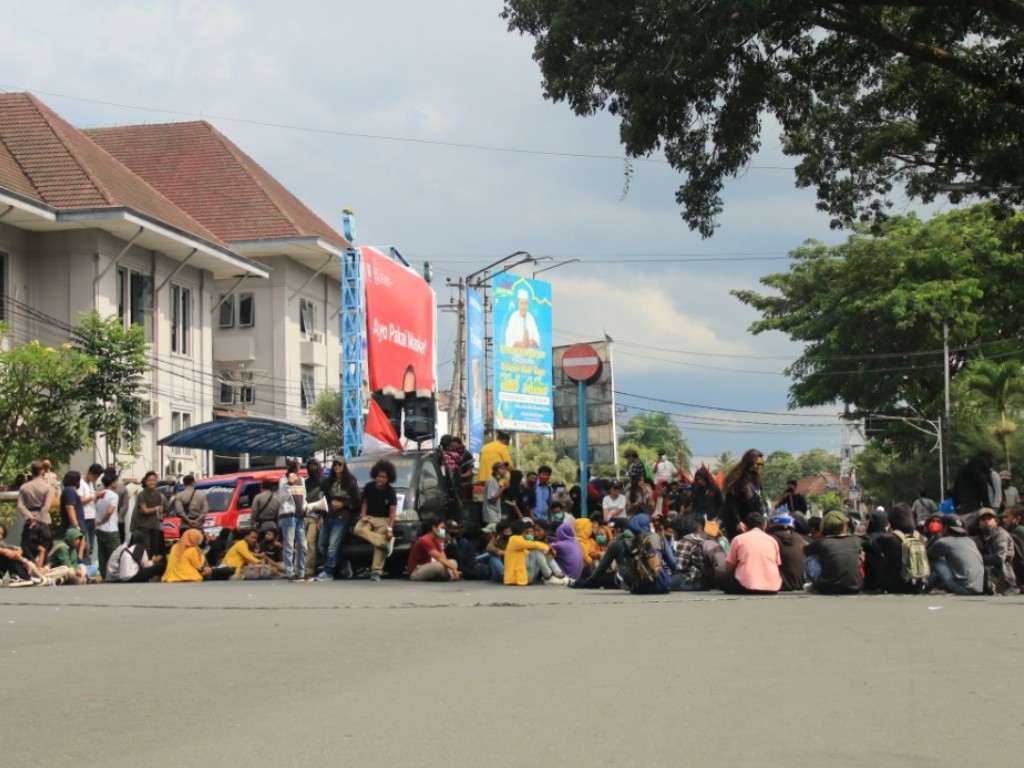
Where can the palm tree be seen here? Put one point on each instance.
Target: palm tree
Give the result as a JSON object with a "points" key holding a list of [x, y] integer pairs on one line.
{"points": [[724, 462], [655, 431], [992, 394]]}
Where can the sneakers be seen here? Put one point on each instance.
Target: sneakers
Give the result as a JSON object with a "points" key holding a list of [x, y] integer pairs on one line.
{"points": [[391, 546], [17, 582], [374, 577], [558, 581], [346, 571], [323, 576]]}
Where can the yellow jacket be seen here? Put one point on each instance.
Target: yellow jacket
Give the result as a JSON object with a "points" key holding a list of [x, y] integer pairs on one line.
{"points": [[490, 453], [515, 559]]}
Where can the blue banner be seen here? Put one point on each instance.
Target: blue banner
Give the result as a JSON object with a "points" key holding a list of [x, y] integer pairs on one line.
{"points": [[523, 391], [476, 384]]}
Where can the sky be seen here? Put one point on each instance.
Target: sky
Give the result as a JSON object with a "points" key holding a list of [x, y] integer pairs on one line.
{"points": [[428, 119]]}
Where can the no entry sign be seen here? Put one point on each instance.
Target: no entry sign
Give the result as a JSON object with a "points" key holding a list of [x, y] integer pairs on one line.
{"points": [[580, 362]]}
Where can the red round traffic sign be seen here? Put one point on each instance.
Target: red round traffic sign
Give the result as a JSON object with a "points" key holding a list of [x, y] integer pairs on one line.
{"points": [[580, 362]]}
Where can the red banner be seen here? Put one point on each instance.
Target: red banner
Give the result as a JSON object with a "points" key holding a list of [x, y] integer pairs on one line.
{"points": [[399, 326]]}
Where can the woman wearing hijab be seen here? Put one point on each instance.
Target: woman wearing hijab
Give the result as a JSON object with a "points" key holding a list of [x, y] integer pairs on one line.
{"points": [[568, 553], [132, 563], [186, 562]]}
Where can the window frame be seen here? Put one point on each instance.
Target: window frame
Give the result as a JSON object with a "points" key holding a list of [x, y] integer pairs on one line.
{"points": [[181, 319], [307, 387], [226, 300], [250, 297]]}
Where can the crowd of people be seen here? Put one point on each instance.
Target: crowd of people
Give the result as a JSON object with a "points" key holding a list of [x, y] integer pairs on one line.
{"points": [[655, 532]]}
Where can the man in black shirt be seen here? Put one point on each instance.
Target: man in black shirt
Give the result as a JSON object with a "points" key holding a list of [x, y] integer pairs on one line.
{"points": [[377, 516], [834, 561], [793, 501]]}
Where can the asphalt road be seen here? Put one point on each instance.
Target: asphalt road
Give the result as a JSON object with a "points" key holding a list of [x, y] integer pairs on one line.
{"points": [[403, 674]]}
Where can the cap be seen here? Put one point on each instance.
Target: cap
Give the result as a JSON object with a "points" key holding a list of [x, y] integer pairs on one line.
{"points": [[879, 509], [783, 520], [497, 465], [954, 523], [1004, 475], [834, 521], [986, 512], [522, 294]]}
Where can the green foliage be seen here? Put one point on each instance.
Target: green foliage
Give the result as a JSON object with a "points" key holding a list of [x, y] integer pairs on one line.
{"points": [[41, 413], [891, 472], [654, 431], [990, 396], [779, 466], [725, 461], [823, 502], [537, 450], [870, 311], [815, 461], [111, 395], [871, 96], [325, 422]]}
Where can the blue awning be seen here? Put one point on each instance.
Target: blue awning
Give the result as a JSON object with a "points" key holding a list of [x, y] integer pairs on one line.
{"points": [[247, 434]]}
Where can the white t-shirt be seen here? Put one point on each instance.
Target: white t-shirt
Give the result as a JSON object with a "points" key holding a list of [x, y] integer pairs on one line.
{"points": [[85, 491], [664, 470], [613, 507], [106, 500]]}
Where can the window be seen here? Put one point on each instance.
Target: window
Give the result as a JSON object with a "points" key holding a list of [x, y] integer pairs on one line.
{"points": [[307, 317], [227, 392], [227, 311], [135, 299], [308, 387], [246, 310], [246, 391], [237, 387], [181, 319], [180, 420]]}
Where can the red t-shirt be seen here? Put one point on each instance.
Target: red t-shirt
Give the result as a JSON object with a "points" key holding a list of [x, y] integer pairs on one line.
{"points": [[421, 549]]}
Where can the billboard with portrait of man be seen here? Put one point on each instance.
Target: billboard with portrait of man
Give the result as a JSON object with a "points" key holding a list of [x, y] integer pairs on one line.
{"points": [[523, 390]]}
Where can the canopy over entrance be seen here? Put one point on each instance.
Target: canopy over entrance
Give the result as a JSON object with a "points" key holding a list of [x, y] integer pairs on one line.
{"points": [[246, 435]]}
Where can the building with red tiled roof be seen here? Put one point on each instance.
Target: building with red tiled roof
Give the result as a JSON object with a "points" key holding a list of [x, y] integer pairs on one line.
{"points": [[275, 346]]}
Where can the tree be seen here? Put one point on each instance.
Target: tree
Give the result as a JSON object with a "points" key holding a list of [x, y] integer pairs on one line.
{"points": [[655, 431], [872, 96], [724, 462], [870, 312], [779, 466], [40, 413], [816, 461], [992, 394], [111, 395], [890, 471], [325, 422]]}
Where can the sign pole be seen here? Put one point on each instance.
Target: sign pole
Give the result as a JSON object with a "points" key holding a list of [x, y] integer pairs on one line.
{"points": [[582, 395]]}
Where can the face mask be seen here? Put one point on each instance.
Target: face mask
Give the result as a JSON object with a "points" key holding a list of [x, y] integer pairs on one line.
{"points": [[934, 527], [543, 479], [441, 533], [529, 537], [559, 517], [601, 539]]}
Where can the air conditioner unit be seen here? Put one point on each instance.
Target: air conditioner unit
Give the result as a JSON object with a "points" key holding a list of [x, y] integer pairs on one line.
{"points": [[151, 409], [317, 337], [179, 467]]}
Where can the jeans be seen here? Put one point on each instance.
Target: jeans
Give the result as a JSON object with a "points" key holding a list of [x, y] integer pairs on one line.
{"points": [[538, 565], [812, 569], [89, 531], [497, 570], [331, 536], [293, 536], [942, 576]]}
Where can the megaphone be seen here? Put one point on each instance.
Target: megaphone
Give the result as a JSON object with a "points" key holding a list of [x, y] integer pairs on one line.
{"points": [[321, 505]]}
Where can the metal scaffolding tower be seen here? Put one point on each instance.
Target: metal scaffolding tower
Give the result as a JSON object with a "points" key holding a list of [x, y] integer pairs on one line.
{"points": [[353, 330]]}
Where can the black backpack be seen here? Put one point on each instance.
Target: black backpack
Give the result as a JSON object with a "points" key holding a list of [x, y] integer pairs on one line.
{"points": [[644, 572]]}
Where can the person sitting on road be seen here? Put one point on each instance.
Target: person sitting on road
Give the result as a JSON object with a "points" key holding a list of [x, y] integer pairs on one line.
{"points": [[996, 552], [752, 564], [833, 561], [132, 563], [607, 571], [584, 530], [19, 569], [465, 552], [567, 549], [884, 572], [63, 558], [782, 528], [247, 564], [427, 559], [955, 560], [185, 561], [377, 515], [527, 560], [496, 549], [695, 555]]}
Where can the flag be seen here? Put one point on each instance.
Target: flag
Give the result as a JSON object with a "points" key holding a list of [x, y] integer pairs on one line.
{"points": [[379, 435]]}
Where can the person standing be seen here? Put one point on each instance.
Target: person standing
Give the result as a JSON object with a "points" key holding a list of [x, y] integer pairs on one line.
{"points": [[494, 451], [313, 519], [150, 506], [34, 501], [190, 505], [543, 495], [377, 515], [107, 537], [291, 492], [87, 495], [923, 508], [743, 494], [493, 490], [664, 470], [342, 491], [790, 499]]}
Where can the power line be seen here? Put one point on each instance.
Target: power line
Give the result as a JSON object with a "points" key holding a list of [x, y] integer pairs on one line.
{"points": [[373, 136]]}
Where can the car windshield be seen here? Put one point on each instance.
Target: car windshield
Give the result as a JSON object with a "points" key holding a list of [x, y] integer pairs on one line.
{"points": [[218, 496], [404, 466]]}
